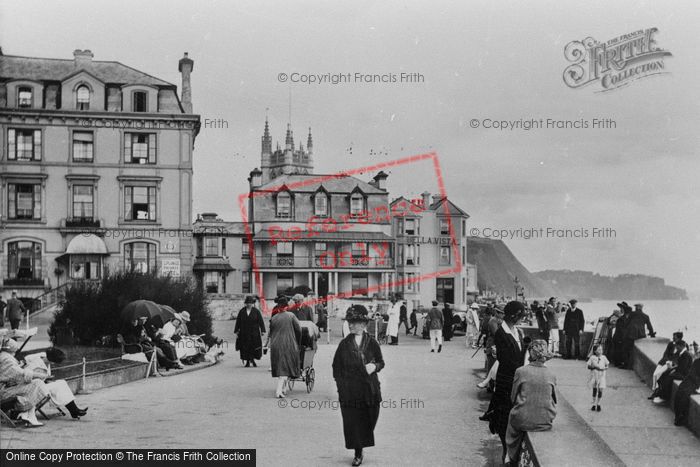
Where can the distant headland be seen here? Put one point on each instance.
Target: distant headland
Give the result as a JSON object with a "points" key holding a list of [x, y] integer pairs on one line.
{"points": [[497, 268]]}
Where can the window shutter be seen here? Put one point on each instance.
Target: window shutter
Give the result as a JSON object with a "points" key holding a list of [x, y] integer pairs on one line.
{"points": [[12, 201], [11, 150], [151, 203], [128, 213], [37, 202], [127, 146], [151, 257], [37, 145], [36, 266], [152, 148]]}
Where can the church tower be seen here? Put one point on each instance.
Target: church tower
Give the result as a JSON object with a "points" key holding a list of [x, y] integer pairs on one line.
{"points": [[286, 160]]}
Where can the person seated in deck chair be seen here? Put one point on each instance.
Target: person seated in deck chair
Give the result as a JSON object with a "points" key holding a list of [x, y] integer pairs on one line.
{"points": [[18, 381], [154, 330], [188, 347]]}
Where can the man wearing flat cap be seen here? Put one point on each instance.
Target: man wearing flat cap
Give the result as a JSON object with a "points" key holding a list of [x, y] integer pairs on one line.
{"points": [[573, 328]]}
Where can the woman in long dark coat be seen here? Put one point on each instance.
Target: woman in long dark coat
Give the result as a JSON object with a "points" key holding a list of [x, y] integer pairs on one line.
{"points": [[447, 322], [249, 329], [285, 356], [511, 348], [357, 361]]}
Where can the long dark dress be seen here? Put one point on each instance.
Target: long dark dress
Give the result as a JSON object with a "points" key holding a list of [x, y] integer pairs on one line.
{"points": [[359, 393], [447, 323], [510, 358], [690, 384], [249, 328], [285, 337]]}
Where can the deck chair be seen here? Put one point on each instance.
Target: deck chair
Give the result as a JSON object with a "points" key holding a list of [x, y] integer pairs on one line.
{"points": [[128, 348], [5, 407], [42, 403]]}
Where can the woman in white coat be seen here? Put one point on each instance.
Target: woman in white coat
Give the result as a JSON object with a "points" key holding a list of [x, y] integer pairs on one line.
{"points": [[392, 329]]}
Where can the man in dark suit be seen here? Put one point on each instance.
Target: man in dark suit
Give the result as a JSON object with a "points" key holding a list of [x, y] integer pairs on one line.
{"points": [[403, 317], [573, 328], [15, 310], [635, 330]]}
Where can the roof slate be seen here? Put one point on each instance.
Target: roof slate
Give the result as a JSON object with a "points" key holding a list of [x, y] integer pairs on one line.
{"points": [[334, 184], [54, 69]]}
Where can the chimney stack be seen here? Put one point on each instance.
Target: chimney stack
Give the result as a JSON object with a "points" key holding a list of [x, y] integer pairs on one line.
{"points": [[426, 199], [255, 179], [437, 198], [82, 57], [209, 216], [185, 66], [380, 180]]}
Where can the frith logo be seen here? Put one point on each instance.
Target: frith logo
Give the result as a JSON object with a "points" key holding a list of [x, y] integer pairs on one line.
{"points": [[615, 63]]}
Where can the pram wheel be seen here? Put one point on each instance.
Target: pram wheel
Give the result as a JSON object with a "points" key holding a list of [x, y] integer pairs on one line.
{"points": [[290, 383], [310, 378], [382, 340]]}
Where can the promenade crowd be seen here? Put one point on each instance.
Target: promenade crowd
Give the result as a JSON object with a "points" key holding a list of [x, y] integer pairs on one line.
{"points": [[523, 390]]}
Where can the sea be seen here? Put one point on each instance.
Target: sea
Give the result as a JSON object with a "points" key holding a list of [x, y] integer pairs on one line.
{"points": [[666, 316]]}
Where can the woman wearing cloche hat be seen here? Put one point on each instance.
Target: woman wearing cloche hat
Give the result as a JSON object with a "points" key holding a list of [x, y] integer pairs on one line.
{"points": [[357, 361]]}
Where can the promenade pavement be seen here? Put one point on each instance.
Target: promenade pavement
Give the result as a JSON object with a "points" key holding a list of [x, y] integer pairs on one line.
{"points": [[430, 414], [639, 432]]}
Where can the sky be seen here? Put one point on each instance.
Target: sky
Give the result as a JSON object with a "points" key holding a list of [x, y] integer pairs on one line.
{"points": [[479, 60]]}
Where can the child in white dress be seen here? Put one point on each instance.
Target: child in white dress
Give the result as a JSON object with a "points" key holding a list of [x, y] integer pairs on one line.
{"points": [[598, 364]]}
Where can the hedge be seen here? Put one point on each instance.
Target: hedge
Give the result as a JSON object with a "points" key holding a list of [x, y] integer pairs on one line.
{"points": [[91, 310]]}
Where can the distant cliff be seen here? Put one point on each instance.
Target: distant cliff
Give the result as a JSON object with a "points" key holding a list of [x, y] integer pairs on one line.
{"points": [[497, 267], [625, 286]]}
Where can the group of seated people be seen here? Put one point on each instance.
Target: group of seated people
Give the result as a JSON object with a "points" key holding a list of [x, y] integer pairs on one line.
{"points": [[676, 364], [171, 341], [23, 387]]}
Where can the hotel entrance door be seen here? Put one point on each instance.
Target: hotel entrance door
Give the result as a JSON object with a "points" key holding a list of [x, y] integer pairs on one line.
{"points": [[445, 290]]}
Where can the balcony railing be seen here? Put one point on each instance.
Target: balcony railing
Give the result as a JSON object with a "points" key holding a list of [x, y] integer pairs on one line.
{"points": [[28, 282], [324, 262], [82, 222]]}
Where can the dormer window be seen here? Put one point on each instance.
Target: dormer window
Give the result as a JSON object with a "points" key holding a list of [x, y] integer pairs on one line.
{"points": [[357, 204], [321, 204], [24, 97], [82, 101], [140, 101], [284, 205]]}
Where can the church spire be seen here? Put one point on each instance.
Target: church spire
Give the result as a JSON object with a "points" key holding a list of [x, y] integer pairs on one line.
{"points": [[309, 143]]}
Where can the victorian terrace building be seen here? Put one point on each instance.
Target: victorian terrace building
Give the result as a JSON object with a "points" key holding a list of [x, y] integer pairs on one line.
{"points": [[425, 245], [353, 258], [96, 171]]}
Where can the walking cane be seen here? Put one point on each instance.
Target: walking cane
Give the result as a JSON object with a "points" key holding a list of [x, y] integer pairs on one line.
{"points": [[477, 350]]}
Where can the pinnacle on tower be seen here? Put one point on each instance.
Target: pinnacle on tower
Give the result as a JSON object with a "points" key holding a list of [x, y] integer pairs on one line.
{"points": [[289, 139], [309, 142], [266, 139]]}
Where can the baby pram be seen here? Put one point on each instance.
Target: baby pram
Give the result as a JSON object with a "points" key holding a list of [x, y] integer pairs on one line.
{"points": [[308, 345], [376, 328]]}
